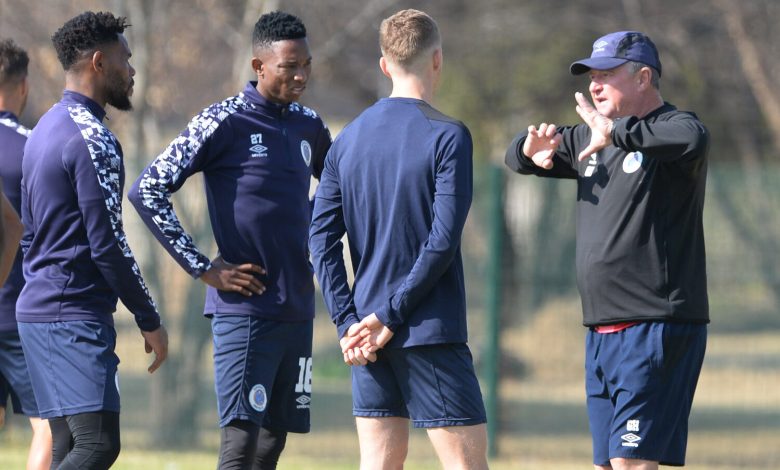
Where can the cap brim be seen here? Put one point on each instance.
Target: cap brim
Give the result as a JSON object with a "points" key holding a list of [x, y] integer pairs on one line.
{"points": [[598, 63]]}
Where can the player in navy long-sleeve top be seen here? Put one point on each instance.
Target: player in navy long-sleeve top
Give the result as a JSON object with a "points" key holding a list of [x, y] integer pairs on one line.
{"points": [[257, 152], [10, 235], [77, 262], [398, 182], [13, 368]]}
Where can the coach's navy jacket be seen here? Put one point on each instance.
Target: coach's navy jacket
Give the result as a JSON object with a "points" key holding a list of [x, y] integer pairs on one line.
{"points": [[12, 139], [76, 258], [257, 159]]}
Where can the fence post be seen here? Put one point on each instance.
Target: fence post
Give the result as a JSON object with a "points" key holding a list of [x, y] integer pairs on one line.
{"points": [[493, 304]]}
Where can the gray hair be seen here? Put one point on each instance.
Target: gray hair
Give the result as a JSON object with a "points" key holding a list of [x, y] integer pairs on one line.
{"points": [[655, 78]]}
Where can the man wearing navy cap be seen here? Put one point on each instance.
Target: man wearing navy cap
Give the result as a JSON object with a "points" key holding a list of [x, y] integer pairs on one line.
{"points": [[640, 166]]}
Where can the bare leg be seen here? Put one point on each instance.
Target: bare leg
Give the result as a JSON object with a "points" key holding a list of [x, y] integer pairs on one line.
{"points": [[384, 442], [39, 457], [461, 447], [633, 464]]}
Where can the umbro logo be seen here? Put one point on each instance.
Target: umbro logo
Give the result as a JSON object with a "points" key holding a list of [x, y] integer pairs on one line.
{"points": [[257, 150], [600, 46], [630, 440], [303, 401]]}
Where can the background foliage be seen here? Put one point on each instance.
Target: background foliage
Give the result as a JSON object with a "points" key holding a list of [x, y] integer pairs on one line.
{"points": [[506, 66]]}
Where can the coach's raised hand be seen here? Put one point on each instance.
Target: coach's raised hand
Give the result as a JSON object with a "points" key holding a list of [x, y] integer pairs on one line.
{"points": [[600, 126], [541, 144], [234, 277]]}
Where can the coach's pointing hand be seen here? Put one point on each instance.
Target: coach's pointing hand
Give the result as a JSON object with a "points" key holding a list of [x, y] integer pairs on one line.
{"points": [[600, 126], [234, 277], [156, 341]]}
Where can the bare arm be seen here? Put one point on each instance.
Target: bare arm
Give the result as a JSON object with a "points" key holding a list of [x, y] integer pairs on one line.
{"points": [[10, 234]]}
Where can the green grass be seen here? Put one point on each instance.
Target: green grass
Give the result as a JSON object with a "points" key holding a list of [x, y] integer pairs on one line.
{"points": [[735, 423]]}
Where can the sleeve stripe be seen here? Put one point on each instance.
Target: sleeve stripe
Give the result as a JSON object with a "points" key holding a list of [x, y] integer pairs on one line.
{"points": [[165, 171], [102, 146]]}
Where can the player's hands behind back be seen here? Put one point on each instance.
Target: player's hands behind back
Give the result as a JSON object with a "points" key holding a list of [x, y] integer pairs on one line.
{"points": [[354, 353], [364, 339]]}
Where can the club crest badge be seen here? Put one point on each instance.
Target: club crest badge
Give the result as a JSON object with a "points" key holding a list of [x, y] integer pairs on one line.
{"points": [[257, 398], [306, 152], [632, 162]]}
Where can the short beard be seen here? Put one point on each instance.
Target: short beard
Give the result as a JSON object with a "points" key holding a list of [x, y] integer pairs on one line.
{"points": [[117, 96]]}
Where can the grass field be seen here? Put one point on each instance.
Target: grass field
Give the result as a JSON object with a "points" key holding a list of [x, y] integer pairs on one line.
{"points": [[735, 422]]}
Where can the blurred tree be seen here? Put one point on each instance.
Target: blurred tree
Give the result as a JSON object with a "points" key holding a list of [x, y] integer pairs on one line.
{"points": [[506, 67]]}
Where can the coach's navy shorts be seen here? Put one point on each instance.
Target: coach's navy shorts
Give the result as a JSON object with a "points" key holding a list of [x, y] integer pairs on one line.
{"points": [[262, 371], [13, 370], [72, 366], [434, 385], [640, 383]]}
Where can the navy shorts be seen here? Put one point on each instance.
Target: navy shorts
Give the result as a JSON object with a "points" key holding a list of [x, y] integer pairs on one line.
{"points": [[640, 383], [434, 385], [5, 391], [72, 366], [15, 377], [262, 371]]}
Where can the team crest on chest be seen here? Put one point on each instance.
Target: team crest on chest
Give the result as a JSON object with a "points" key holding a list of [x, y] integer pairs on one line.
{"points": [[257, 149], [632, 162], [306, 152]]}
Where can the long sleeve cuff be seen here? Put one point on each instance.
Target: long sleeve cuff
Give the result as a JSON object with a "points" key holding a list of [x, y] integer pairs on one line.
{"points": [[148, 323], [342, 329], [384, 315]]}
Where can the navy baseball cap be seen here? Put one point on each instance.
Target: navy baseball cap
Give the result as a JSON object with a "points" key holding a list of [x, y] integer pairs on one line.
{"points": [[616, 49]]}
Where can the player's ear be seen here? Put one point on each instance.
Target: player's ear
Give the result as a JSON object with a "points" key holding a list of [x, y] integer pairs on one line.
{"points": [[257, 66], [438, 58], [25, 87], [96, 61], [383, 67]]}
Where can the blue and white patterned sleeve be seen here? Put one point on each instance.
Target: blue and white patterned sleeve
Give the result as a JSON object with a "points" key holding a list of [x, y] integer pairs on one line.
{"points": [[151, 193], [18, 128], [98, 178]]}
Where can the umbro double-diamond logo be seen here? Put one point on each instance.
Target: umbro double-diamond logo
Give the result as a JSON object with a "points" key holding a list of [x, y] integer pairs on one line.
{"points": [[303, 401], [630, 440], [257, 149]]}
